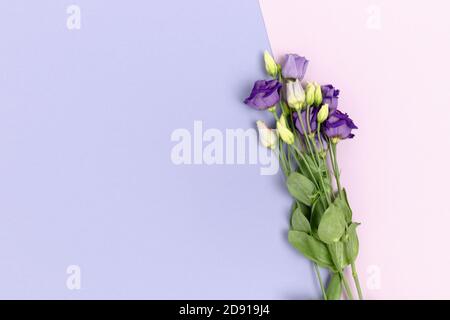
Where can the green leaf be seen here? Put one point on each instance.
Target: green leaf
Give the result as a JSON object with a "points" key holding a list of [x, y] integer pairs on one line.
{"points": [[317, 211], [346, 198], [332, 225], [338, 256], [311, 248], [306, 210], [300, 187], [343, 204], [299, 222], [334, 289], [352, 243], [294, 206]]}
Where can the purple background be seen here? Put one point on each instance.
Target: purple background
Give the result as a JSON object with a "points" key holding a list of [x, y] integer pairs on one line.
{"points": [[85, 171]]}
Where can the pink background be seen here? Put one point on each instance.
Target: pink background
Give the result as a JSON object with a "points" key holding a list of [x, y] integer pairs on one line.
{"points": [[389, 58]]}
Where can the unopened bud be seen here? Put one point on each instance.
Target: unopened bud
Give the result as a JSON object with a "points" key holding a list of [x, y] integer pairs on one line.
{"points": [[271, 65], [322, 115]]}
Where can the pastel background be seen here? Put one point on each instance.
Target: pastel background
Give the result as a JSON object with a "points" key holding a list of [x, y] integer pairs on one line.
{"points": [[86, 176], [389, 58], [86, 118]]}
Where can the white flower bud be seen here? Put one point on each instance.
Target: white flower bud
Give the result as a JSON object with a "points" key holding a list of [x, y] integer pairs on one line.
{"points": [[267, 137], [295, 94]]}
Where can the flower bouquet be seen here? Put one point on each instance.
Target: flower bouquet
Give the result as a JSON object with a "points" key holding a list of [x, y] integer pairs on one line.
{"points": [[309, 127]]}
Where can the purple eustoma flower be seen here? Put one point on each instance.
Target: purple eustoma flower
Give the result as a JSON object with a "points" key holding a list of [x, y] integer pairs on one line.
{"points": [[339, 125], [312, 121], [265, 94], [294, 67], [330, 96]]}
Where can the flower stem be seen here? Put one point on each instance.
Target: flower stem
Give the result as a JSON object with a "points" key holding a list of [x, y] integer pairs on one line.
{"points": [[315, 152], [281, 158], [308, 121], [305, 134], [305, 161], [320, 136], [335, 166], [322, 146], [315, 155], [316, 268], [356, 279], [275, 114], [348, 291], [327, 196]]}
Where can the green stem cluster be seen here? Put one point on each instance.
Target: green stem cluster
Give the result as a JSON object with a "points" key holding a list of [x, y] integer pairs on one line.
{"points": [[291, 155], [337, 176]]}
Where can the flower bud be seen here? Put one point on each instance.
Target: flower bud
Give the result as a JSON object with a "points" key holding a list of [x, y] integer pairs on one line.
{"points": [[267, 137], [318, 94], [271, 65], [294, 67], [322, 115], [295, 94], [285, 134], [310, 94]]}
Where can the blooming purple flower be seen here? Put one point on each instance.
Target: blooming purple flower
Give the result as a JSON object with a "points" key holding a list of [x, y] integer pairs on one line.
{"points": [[265, 94], [294, 66], [339, 125], [312, 120], [330, 96]]}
